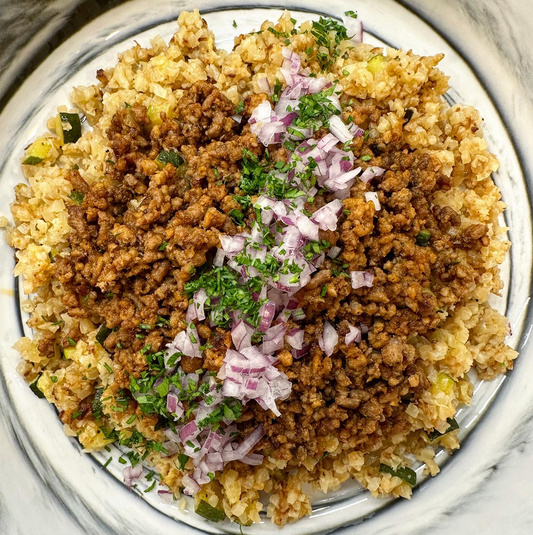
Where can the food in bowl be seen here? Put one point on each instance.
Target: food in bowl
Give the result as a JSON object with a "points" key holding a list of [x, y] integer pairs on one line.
{"points": [[262, 271]]}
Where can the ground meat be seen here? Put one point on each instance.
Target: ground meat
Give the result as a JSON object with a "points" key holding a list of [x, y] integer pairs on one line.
{"points": [[140, 234]]}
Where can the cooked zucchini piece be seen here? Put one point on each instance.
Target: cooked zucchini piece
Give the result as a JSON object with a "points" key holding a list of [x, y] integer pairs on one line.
{"points": [[444, 384], [408, 475], [103, 333], [206, 510], [37, 151], [154, 112], [453, 425], [68, 127], [67, 352], [169, 156], [35, 389], [376, 64]]}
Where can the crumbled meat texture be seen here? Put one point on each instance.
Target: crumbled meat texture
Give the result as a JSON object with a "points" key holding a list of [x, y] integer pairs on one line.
{"points": [[139, 235]]}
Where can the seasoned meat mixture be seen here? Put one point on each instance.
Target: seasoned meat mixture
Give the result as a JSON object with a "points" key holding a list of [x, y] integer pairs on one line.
{"points": [[143, 232]]}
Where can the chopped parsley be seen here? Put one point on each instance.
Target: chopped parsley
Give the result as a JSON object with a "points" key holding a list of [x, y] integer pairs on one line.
{"points": [[223, 284], [328, 34], [76, 196]]}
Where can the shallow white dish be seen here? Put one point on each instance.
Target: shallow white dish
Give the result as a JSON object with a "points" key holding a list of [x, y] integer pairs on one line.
{"points": [[97, 498]]}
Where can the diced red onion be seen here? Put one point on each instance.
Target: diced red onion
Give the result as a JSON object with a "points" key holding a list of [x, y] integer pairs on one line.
{"points": [[299, 353], [293, 59], [264, 85], [266, 313], [354, 28], [328, 339], [370, 173], [353, 336], [132, 474], [200, 297], [307, 228], [334, 252], [372, 196], [218, 261], [339, 129], [232, 245], [245, 446], [361, 279], [253, 459], [191, 487], [241, 335], [295, 338], [327, 216], [188, 431]]}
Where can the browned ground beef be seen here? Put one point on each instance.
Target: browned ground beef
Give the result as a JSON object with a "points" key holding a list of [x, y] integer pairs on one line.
{"points": [[140, 234]]}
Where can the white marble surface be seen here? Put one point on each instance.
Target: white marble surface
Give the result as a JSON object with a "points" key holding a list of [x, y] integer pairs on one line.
{"points": [[494, 468]]}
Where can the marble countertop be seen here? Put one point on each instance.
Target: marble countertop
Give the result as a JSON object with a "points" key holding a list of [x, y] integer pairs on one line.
{"points": [[502, 501]]}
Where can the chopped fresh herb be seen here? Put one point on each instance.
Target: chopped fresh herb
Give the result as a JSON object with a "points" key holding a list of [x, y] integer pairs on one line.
{"points": [[121, 460], [366, 158], [276, 33], [131, 419], [367, 135], [58, 322], [53, 378], [145, 326], [324, 290], [109, 295], [237, 217], [108, 367], [345, 72], [107, 462], [110, 161], [328, 34], [423, 237], [351, 13], [76, 196], [277, 91], [151, 487], [163, 246], [77, 414], [408, 475], [224, 284], [234, 24], [126, 105], [182, 459], [71, 342], [239, 108]]}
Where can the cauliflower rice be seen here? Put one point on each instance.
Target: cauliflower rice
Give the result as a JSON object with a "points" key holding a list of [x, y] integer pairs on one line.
{"points": [[471, 336]]}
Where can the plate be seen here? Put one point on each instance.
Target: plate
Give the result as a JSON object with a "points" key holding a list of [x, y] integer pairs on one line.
{"points": [[96, 497]]}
